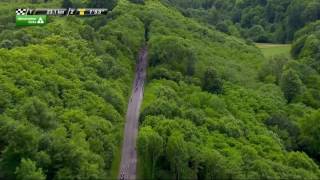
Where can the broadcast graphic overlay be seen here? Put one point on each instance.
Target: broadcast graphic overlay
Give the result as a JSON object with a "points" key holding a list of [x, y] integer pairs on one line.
{"points": [[36, 17]]}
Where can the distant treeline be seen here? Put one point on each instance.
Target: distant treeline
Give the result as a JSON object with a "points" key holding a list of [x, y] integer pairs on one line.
{"points": [[257, 20]]}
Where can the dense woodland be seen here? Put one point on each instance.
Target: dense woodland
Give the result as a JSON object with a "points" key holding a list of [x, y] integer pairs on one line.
{"points": [[214, 107], [64, 89], [256, 20]]}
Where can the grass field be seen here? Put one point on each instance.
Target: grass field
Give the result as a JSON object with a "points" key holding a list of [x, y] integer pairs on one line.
{"points": [[270, 50]]}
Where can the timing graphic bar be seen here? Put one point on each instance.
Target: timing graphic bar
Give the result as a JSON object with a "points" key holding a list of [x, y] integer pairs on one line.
{"points": [[63, 12]]}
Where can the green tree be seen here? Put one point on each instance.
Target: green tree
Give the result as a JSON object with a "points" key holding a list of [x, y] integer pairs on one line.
{"points": [[175, 52], [19, 141], [110, 4], [138, 1], [6, 44], [257, 34], [295, 19], [38, 112], [310, 137], [301, 160], [223, 27], [195, 115], [287, 129], [272, 70], [262, 170], [150, 147], [27, 170], [162, 107], [211, 81], [291, 84], [214, 165], [312, 11], [67, 4], [177, 154]]}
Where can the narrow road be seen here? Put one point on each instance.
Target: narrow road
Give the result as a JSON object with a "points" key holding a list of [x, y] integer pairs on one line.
{"points": [[128, 165]]}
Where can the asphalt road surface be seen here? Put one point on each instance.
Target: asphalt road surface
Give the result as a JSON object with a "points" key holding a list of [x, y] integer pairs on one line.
{"points": [[128, 165]]}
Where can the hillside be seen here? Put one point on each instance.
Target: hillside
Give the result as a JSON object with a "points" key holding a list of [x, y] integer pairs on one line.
{"points": [[209, 111], [214, 106], [256, 20], [64, 90]]}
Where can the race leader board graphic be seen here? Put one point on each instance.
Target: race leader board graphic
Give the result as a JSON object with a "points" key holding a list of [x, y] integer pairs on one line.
{"points": [[63, 11], [33, 17]]}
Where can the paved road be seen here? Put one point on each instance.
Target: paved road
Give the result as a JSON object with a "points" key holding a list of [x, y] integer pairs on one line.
{"points": [[128, 165]]}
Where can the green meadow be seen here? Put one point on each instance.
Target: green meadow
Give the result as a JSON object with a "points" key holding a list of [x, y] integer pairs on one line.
{"points": [[270, 50]]}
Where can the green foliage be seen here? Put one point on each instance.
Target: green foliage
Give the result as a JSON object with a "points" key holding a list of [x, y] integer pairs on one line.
{"points": [[150, 146], [163, 107], [175, 52], [164, 73], [287, 129], [257, 34], [291, 85], [38, 113], [211, 81], [62, 99], [28, 171], [272, 70], [64, 88], [110, 4], [209, 134], [298, 159], [214, 165], [310, 136], [6, 44], [67, 4], [246, 132], [137, 1], [20, 140], [306, 45], [260, 21], [177, 154]]}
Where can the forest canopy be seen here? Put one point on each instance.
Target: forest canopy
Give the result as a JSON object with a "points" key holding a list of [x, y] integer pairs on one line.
{"points": [[257, 20], [214, 106]]}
